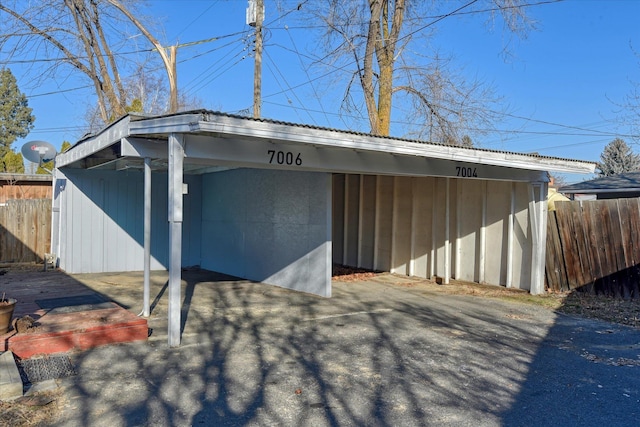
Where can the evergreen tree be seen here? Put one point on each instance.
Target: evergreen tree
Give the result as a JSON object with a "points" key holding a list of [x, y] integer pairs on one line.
{"points": [[616, 158], [16, 119], [12, 162]]}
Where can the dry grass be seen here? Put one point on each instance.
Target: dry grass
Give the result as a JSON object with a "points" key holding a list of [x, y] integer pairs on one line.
{"points": [[39, 409], [615, 310]]}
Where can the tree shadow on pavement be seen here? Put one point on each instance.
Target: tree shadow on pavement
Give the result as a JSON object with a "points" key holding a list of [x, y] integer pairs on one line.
{"points": [[379, 352]]}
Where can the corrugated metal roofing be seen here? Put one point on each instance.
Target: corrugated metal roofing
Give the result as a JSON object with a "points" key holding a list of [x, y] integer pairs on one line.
{"points": [[206, 113]]}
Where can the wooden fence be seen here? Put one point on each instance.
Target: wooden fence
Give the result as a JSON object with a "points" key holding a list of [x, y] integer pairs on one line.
{"points": [[594, 246], [25, 230], [21, 186]]}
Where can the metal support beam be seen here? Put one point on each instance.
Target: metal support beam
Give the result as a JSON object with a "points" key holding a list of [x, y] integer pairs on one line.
{"points": [[458, 247], [414, 222], [482, 258], [376, 226], [147, 238], [176, 159], [394, 225], [345, 222], [434, 229], [538, 215], [360, 220], [510, 230], [56, 222], [447, 237]]}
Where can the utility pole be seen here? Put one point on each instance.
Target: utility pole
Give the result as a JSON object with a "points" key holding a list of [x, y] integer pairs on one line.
{"points": [[258, 10]]}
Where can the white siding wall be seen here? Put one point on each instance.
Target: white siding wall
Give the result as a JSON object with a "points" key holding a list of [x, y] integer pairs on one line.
{"points": [[102, 224], [269, 226], [411, 224]]}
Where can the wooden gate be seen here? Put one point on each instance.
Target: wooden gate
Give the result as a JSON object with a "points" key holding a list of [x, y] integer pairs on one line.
{"points": [[25, 230], [594, 246]]}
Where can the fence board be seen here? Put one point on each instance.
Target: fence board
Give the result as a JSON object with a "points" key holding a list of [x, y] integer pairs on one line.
{"points": [[608, 216], [566, 232], [556, 272], [597, 246], [584, 254], [626, 245], [597, 259], [633, 243], [25, 230]]}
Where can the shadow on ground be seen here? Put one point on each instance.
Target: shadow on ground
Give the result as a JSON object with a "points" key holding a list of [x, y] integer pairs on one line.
{"points": [[386, 351]]}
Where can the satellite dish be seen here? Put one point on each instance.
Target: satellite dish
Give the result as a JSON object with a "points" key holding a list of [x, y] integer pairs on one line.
{"points": [[39, 152]]}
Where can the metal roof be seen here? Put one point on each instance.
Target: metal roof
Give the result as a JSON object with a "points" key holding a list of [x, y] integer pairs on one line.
{"points": [[106, 147]]}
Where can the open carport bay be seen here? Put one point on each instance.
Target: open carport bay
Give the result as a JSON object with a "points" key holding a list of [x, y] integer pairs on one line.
{"points": [[388, 350]]}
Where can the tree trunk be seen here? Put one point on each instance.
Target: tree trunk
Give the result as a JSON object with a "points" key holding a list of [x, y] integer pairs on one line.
{"points": [[381, 41]]}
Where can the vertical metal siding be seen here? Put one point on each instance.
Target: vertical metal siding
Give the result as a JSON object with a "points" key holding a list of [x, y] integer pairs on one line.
{"points": [[410, 218], [103, 226]]}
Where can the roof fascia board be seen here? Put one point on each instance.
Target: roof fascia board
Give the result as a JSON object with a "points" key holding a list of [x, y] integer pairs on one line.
{"points": [[181, 123], [94, 144], [264, 154], [201, 149], [287, 133], [330, 138]]}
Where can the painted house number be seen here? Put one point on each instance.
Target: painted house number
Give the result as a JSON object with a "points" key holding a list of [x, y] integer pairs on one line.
{"points": [[466, 172], [284, 157]]}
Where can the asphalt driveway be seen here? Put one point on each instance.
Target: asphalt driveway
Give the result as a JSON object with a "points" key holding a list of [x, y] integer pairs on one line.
{"points": [[388, 351]]}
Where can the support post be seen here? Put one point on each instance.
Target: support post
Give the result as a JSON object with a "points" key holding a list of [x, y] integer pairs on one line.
{"points": [[447, 240], [512, 218], [147, 238], [360, 219], [414, 221], [345, 221], [56, 221], [482, 258], [376, 226], [538, 214], [434, 228], [458, 247], [176, 159], [394, 226]]}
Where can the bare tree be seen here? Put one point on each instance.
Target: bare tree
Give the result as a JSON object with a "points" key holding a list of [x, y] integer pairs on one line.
{"points": [[382, 43], [630, 107], [89, 36]]}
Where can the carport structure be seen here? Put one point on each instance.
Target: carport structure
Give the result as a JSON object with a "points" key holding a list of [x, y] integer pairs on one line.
{"points": [[279, 203]]}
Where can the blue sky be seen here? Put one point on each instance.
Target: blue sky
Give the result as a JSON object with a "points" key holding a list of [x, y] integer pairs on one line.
{"points": [[560, 86]]}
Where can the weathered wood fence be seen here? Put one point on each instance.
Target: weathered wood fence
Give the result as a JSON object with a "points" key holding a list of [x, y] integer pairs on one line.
{"points": [[25, 230], [594, 246]]}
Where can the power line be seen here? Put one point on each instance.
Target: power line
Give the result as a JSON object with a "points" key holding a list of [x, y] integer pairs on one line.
{"points": [[56, 92], [196, 18], [286, 83], [293, 43], [117, 54]]}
